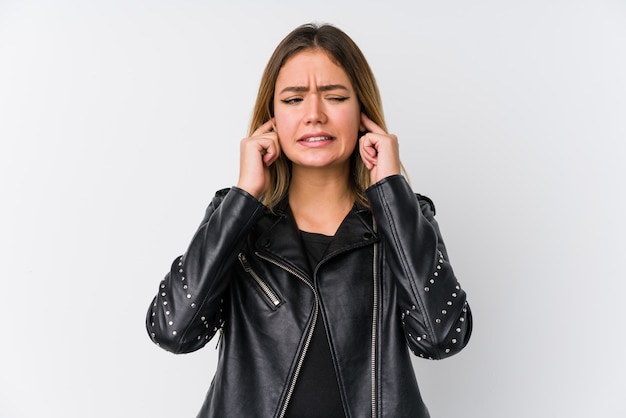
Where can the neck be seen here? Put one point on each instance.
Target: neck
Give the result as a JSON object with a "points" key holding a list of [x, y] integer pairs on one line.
{"points": [[320, 198]]}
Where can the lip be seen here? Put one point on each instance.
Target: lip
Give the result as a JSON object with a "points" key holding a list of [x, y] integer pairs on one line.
{"points": [[315, 139]]}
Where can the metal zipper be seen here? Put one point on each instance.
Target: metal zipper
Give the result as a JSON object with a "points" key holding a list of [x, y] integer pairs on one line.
{"points": [[219, 339], [292, 385], [374, 321], [264, 287]]}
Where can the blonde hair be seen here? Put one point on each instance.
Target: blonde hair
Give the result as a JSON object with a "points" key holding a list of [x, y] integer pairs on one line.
{"points": [[345, 53]]}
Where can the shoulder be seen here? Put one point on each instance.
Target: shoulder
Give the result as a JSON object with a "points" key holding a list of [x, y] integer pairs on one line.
{"points": [[219, 196], [426, 203], [234, 195]]}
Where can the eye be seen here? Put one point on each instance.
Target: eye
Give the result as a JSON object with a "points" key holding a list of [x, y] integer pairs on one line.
{"points": [[338, 99], [292, 100]]}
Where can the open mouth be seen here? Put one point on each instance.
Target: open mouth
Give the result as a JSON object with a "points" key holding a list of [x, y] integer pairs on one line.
{"points": [[316, 139]]}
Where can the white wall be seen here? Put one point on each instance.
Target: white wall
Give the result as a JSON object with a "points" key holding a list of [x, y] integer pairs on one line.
{"points": [[118, 121]]}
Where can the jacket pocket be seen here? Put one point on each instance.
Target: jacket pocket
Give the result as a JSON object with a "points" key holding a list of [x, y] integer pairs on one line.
{"points": [[266, 290]]}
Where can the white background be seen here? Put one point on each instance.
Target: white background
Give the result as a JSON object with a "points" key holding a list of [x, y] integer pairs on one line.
{"points": [[119, 120]]}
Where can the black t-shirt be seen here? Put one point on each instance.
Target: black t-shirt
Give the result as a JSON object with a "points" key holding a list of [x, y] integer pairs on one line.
{"points": [[317, 392]]}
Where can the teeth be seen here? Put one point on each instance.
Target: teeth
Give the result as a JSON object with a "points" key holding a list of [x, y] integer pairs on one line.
{"points": [[317, 139]]}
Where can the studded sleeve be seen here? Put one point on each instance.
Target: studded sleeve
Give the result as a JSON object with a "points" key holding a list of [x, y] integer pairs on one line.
{"points": [[185, 313], [433, 310]]}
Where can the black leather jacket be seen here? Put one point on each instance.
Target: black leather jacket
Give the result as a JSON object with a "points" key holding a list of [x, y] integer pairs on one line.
{"points": [[382, 288]]}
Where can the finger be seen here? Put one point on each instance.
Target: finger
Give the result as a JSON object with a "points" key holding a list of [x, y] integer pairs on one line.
{"points": [[370, 125], [368, 153], [370, 144], [271, 151], [265, 128]]}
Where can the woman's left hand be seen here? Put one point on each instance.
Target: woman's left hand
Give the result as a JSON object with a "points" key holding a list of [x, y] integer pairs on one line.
{"points": [[379, 151]]}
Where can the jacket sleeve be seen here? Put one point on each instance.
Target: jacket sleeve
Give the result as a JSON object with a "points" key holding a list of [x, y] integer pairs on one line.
{"points": [[435, 316], [185, 313]]}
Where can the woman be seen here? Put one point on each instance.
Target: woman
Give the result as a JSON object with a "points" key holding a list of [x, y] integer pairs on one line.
{"points": [[321, 268]]}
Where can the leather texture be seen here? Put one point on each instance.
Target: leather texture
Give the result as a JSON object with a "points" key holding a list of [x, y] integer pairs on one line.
{"points": [[385, 288]]}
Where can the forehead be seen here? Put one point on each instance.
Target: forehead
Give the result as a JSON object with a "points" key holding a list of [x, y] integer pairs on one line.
{"points": [[311, 66]]}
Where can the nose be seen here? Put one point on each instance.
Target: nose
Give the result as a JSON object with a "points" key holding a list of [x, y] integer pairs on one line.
{"points": [[315, 111]]}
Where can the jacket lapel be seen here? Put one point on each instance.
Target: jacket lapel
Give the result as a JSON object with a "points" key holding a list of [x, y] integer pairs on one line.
{"points": [[279, 237]]}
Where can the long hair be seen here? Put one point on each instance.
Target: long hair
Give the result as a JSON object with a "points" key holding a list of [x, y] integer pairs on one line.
{"points": [[346, 54]]}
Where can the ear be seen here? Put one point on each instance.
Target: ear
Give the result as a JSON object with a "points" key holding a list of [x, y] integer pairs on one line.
{"points": [[362, 128]]}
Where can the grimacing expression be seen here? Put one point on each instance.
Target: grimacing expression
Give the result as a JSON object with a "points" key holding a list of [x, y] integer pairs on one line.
{"points": [[316, 111]]}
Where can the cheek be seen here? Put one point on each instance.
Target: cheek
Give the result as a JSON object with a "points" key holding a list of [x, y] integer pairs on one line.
{"points": [[282, 125], [282, 129], [353, 122]]}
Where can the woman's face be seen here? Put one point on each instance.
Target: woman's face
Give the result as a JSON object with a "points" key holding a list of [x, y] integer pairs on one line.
{"points": [[316, 111]]}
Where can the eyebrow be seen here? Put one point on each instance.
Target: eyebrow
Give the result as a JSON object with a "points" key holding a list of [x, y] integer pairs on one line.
{"points": [[303, 89]]}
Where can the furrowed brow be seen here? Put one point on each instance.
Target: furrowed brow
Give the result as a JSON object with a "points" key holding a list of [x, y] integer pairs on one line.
{"points": [[330, 87], [304, 89], [295, 89]]}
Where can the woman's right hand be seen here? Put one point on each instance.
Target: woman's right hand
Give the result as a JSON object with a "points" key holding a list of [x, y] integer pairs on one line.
{"points": [[257, 153]]}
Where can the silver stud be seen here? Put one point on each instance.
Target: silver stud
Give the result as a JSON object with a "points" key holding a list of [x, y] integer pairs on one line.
{"points": [[165, 303], [454, 341], [171, 323], [203, 318], [426, 289], [174, 332], [180, 270], [413, 307], [444, 311], [462, 319], [449, 303], [167, 312], [188, 296], [193, 305], [438, 267], [432, 281], [419, 338], [185, 287], [182, 278], [438, 320], [436, 274], [458, 330], [163, 294], [447, 350], [454, 295]]}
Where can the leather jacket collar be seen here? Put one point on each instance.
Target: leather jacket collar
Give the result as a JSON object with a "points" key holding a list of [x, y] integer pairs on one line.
{"points": [[356, 230]]}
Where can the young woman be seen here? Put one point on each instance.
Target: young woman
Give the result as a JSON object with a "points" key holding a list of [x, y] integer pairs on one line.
{"points": [[322, 268]]}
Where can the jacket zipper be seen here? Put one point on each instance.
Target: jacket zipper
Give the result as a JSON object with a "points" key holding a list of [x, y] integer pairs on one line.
{"points": [[264, 287], [374, 328], [292, 384]]}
